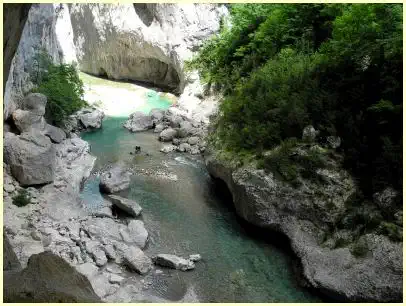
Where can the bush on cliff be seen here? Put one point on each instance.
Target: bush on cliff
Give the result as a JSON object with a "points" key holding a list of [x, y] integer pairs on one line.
{"points": [[61, 85], [337, 67]]}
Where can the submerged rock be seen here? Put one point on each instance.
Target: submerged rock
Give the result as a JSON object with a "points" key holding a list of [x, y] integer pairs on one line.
{"points": [[195, 257], [131, 207], [173, 262], [115, 179], [168, 148]]}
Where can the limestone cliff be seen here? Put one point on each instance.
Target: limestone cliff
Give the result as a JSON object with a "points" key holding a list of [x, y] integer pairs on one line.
{"points": [[47, 27], [141, 42], [304, 214]]}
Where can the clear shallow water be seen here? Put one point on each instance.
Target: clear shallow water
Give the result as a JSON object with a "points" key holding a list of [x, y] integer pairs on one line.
{"points": [[184, 215]]}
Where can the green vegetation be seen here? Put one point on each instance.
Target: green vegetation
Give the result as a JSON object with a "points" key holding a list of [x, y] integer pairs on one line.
{"points": [[360, 248], [62, 86], [22, 198], [337, 67]]}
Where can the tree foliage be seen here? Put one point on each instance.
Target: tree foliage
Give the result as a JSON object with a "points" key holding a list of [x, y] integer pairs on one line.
{"points": [[335, 66], [60, 84]]}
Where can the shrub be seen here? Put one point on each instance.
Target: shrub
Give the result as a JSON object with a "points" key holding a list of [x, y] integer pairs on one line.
{"points": [[360, 248], [62, 87], [22, 198], [393, 231]]}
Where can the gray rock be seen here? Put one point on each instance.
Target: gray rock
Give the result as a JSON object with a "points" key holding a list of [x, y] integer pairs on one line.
{"points": [[386, 198], [54, 133], [157, 114], [167, 149], [138, 232], [195, 150], [159, 128], [104, 212], [184, 147], [129, 206], [8, 188], [303, 215], [115, 179], [167, 135], [334, 142], [138, 122], [134, 258], [91, 119], [31, 157], [35, 103], [115, 279], [176, 141], [48, 278], [309, 134], [173, 262], [96, 252], [26, 120], [175, 120], [186, 129], [195, 257], [87, 269], [193, 140]]}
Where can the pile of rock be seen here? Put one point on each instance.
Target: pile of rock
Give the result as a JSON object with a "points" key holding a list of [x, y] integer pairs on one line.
{"points": [[85, 119], [173, 125]]}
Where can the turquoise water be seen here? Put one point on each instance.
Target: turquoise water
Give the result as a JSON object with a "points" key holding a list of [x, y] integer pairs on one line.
{"points": [[184, 215]]}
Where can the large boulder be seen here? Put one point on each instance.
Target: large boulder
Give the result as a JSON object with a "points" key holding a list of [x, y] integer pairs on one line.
{"points": [[56, 134], [31, 157], [173, 262], [167, 134], [48, 279], [138, 232], [157, 114], [305, 213], [134, 258], [35, 103], [91, 118], [115, 179], [26, 120], [138, 122], [131, 207]]}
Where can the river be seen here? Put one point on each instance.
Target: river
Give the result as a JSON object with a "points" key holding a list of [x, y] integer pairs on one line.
{"points": [[185, 214]]}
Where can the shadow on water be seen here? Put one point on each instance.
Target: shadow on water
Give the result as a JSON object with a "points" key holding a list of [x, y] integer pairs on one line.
{"points": [[278, 240]]}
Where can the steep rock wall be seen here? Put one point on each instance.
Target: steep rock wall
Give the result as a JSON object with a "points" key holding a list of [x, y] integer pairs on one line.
{"points": [[48, 27], [141, 42]]}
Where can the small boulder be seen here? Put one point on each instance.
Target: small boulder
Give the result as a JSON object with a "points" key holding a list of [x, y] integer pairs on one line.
{"points": [[167, 134], [134, 258], [131, 207], [159, 128], [333, 142], [115, 179], [184, 147], [173, 262], [92, 119], [56, 134], [35, 103], [138, 233], [309, 134], [193, 140], [157, 114], [195, 257], [186, 129], [167, 149], [115, 279]]}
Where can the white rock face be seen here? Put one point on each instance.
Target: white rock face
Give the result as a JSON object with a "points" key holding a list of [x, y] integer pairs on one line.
{"points": [[48, 27], [141, 42]]}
